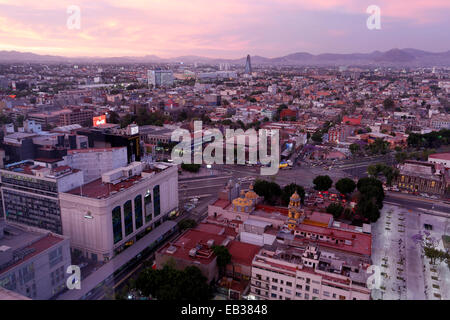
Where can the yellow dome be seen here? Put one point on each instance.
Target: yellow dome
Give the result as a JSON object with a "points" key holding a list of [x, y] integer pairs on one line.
{"points": [[242, 202], [295, 196]]}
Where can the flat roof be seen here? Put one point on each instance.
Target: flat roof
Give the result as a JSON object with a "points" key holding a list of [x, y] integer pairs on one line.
{"points": [[98, 189], [18, 238], [191, 239], [242, 253]]}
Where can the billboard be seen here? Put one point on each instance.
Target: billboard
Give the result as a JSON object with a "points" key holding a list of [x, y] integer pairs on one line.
{"points": [[97, 121]]}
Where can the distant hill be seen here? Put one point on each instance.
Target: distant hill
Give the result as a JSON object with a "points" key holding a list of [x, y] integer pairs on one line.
{"points": [[393, 57]]}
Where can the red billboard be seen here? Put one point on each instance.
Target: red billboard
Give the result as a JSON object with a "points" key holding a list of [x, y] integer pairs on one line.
{"points": [[97, 121]]}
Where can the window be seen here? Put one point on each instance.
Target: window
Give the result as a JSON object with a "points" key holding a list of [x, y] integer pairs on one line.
{"points": [[299, 286], [288, 291], [274, 287], [148, 206], [55, 257], [274, 280], [289, 284], [273, 295], [326, 293], [307, 288], [157, 201], [138, 211], [308, 280], [316, 291], [128, 217], [306, 296], [298, 294], [117, 224]]}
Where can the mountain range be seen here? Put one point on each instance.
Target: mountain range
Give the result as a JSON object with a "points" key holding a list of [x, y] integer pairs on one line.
{"points": [[393, 57]]}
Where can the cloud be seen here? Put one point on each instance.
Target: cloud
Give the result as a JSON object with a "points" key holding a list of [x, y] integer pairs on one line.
{"points": [[219, 28]]}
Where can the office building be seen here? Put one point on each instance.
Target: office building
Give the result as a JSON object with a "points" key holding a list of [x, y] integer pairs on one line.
{"points": [[105, 216], [248, 65], [160, 78], [30, 192]]}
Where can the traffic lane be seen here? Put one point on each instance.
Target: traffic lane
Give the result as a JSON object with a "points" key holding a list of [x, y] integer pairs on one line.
{"points": [[414, 204]]}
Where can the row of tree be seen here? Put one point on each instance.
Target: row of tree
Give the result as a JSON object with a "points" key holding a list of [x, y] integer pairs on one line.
{"points": [[274, 194]]}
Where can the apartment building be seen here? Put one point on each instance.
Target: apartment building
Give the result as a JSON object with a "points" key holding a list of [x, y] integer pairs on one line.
{"points": [[33, 262], [289, 273]]}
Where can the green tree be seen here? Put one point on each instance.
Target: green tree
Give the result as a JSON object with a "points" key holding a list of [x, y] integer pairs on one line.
{"points": [[187, 224], [271, 191], [367, 207], [169, 283], [335, 209], [345, 186], [354, 148], [322, 183], [223, 257]]}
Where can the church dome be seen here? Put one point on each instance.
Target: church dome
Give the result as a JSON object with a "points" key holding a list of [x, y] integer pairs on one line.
{"points": [[251, 194]]}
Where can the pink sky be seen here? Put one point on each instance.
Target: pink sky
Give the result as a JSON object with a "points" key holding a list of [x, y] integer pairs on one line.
{"points": [[228, 29]]}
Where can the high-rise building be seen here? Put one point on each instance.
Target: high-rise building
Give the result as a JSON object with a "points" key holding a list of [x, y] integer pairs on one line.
{"points": [[160, 78], [30, 192], [248, 66]]}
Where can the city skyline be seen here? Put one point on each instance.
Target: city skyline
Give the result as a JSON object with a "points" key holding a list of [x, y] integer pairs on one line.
{"points": [[226, 30]]}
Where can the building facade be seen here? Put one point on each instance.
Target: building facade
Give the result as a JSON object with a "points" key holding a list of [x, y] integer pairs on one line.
{"points": [[107, 215], [33, 262], [30, 193]]}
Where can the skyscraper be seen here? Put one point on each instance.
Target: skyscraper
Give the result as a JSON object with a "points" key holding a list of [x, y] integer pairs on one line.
{"points": [[248, 65], [160, 78]]}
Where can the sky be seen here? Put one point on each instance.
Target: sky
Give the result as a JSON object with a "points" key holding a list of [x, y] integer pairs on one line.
{"points": [[220, 29]]}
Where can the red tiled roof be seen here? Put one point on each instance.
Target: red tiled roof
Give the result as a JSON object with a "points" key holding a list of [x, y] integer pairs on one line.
{"points": [[242, 253]]}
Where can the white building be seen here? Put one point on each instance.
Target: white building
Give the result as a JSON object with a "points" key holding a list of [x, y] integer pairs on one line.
{"points": [[33, 262], [289, 273], [160, 78], [108, 214]]}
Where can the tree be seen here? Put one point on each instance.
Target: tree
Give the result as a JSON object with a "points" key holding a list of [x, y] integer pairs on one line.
{"points": [[169, 283], [388, 104], [223, 257], [191, 167], [380, 168], [335, 209], [187, 224], [322, 183], [354, 148], [435, 254], [345, 185], [289, 190], [113, 117], [367, 207], [269, 190], [317, 136]]}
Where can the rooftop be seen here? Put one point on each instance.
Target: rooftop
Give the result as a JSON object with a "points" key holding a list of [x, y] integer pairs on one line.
{"points": [[19, 244]]}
